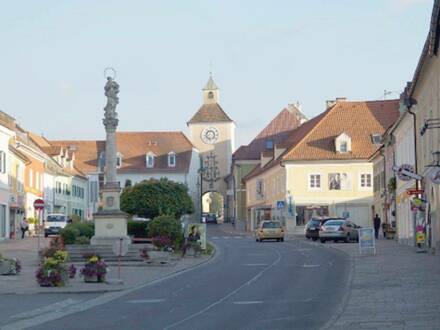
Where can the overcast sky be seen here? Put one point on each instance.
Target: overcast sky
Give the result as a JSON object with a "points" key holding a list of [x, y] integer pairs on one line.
{"points": [[264, 55]]}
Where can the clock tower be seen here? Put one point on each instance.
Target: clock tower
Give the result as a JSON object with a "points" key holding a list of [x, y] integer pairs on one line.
{"points": [[212, 133]]}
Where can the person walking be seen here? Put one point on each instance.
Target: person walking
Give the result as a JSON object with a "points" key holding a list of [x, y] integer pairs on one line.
{"points": [[24, 226], [376, 225]]}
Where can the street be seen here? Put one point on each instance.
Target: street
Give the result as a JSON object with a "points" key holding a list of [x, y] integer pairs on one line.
{"points": [[247, 285]]}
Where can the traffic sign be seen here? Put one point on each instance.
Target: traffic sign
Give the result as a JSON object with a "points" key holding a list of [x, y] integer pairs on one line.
{"points": [[39, 204], [281, 205], [414, 191]]}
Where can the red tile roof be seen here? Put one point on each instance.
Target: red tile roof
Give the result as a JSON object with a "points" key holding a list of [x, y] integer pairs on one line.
{"points": [[134, 146], [209, 113], [276, 131]]}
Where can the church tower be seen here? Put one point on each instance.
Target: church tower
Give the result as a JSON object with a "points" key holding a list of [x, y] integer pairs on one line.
{"points": [[212, 132]]}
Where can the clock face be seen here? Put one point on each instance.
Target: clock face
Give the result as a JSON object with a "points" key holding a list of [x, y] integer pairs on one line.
{"points": [[210, 135]]}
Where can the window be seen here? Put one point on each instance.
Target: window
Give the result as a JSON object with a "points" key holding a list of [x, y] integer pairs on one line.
{"points": [[315, 181], [93, 196], [365, 180], [101, 161], [150, 160], [343, 147], [2, 162], [31, 178], [171, 159], [118, 160], [210, 95], [376, 138], [269, 144]]}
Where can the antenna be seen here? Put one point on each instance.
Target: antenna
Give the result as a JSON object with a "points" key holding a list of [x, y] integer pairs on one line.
{"points": [[210, 68]]}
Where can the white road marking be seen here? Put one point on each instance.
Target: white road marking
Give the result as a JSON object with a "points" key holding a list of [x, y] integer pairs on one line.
{"points": [[230, 294], [226, 237], [237, 236], [215, 237], [310, 266], [247, 302], [46, 309], [177, 291], [145, 301], [255, 264]]}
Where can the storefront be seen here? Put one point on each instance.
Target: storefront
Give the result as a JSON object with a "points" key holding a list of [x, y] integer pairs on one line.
{"points": [[305, 212]]}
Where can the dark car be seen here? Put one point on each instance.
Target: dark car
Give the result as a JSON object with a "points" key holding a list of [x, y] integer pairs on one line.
{"points": [[209, 218], [312, 227]]}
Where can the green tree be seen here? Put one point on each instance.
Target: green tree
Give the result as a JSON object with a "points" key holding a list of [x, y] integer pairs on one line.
{"points": [[151, 198]]}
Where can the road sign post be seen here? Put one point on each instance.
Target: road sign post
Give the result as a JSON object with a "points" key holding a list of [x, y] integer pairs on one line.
{"points": [[39, 207]]}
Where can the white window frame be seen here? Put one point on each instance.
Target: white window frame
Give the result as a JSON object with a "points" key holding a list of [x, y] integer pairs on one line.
{"points": [[149, 156], [365, 187], [309, 177], [118, 160], [172, 155], [343, 143]]}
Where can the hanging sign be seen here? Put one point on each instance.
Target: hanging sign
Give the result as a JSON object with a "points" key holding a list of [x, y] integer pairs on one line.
{"points": [[414, 191], [406, 172]]}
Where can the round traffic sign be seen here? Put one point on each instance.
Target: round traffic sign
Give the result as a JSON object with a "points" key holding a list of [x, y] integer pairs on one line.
{"points": [[39, 204]]}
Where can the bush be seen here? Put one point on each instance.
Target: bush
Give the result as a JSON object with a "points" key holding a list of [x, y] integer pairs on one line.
{"points": [[74, 230], [137, 229], [165, 225], [69, 234], [82, 240], [209, 248]]}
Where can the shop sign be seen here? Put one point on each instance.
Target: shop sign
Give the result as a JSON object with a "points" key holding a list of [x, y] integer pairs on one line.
{"points": [[435, 176], [414, 191], [366, 239], [420, 228], [406, 172]]}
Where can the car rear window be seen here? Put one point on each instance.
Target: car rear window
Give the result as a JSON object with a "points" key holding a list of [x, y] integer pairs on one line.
{"points": [[271, 225], [315, 222], [334, 223], [56, 218]]}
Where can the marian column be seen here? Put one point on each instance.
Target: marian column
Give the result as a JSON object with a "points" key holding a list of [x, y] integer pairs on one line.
{"points": [[110, 222]]}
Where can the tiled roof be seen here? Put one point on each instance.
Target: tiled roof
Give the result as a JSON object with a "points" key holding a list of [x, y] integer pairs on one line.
{"points": [[211, 112], [359, 120], [51, 150], [134, 146], [277, 130], [315, 139], [39, 140]]}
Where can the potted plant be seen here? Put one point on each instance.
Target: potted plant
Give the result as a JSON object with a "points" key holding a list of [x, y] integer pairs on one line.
{"points": [[53, 271], [9, 266], [94, 269]]}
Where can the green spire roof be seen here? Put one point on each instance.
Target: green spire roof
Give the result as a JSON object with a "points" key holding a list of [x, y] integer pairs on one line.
{"points": [[210, 85]]}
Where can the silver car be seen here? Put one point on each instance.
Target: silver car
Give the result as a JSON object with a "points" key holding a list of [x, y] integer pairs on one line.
{"points": [[339, 230]]}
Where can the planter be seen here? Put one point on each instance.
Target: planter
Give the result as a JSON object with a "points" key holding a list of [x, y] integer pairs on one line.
{"points": [[94, 279], [162, 255]]}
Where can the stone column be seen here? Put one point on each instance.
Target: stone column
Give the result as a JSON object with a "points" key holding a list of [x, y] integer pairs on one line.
{"points": [[110, 222]]}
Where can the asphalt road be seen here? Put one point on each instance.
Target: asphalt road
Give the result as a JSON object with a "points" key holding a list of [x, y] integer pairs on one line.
{"points": [[248, 285]]}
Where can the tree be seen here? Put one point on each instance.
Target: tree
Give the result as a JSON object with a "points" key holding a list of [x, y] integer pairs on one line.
{"points": [[151, 198]]}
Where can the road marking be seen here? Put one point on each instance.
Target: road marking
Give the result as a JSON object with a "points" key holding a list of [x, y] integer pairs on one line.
{"points": [[226, 237], [310, 266], [255, 264], [237, 236], [215, 237], [301, 250], [247, 302], [46, 309], [145, 301], [230, 294]]}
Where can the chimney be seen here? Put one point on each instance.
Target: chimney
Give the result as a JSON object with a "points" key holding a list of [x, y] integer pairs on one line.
{"points": [[329, 103], [341, 99]]}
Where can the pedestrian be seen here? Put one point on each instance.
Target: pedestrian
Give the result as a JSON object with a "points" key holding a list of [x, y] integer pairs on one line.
{"points": [[24, 226], [376, 225], [192, 242]]}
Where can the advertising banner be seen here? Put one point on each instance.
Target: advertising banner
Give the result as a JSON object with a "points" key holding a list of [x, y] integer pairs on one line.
{"points": [[366, 239], [198, 229]]}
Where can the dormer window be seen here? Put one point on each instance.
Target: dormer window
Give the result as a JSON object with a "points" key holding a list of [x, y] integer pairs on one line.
{"points": [[118, 160], [269, 144], [343, 143], [172, 159], [150, 160], [376, 138]]}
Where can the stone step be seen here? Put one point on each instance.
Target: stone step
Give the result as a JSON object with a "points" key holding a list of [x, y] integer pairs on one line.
{"points": [[76, 252]]}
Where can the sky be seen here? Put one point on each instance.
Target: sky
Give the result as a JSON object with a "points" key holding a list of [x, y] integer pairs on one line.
{"points": [[263, 55]]}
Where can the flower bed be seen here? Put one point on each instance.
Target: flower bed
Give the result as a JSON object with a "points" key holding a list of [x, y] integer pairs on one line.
{"points": [[53, 271], [94, 269], [9, 266]]}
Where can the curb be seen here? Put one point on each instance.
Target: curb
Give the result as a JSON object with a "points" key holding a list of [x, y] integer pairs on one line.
{"points": [[133, 287]]}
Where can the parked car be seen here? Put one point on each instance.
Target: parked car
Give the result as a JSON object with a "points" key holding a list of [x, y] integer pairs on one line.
{"points": [[54, 223], [270, 230], [313, 226], [339, 230], [209, 218]]}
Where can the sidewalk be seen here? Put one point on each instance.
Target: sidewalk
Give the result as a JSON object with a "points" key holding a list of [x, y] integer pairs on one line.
{"points": [[396, 289], [132, 275]]}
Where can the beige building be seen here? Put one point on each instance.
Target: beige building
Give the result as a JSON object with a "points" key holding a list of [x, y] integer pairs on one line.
{"points": [[323, 167], [423, 100], [212, 133]]}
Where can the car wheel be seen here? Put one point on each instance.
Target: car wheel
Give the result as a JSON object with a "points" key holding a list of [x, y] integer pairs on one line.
{"points": [[347, 239], [315, 238], [46, 235], [256, 240], [282, 239], [322, 240]]}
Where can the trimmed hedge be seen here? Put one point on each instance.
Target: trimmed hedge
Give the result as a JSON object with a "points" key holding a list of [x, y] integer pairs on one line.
{"points": [[138, 229], [74, 230]]}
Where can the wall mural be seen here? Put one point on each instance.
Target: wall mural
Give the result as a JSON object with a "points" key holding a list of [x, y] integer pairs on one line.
{"points": [[339, 181]]}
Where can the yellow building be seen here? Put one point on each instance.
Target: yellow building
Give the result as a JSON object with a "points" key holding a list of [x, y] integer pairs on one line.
{"points": [[323, 167]]}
